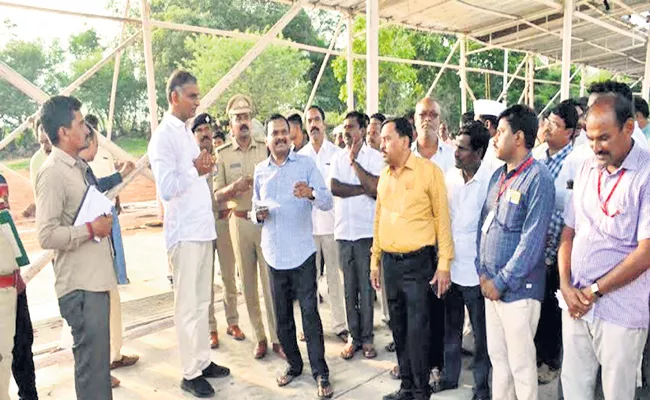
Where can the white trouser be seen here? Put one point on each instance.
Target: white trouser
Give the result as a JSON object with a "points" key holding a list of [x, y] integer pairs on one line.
{"points": [[8, 302], [510, 329], [326, 245], [590, 345], [192, 268], [116, 325]]}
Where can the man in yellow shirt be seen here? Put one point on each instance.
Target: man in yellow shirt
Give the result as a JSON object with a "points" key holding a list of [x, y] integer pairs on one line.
{"points": [[413, 246]]}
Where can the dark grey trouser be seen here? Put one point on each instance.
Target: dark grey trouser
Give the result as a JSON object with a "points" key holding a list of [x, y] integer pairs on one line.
{"points": [[87, 313], [359, 294]]}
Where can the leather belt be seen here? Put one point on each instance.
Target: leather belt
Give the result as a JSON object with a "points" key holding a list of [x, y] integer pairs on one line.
{"points": [[224, 214], [416, 253], [240, 214], [14, 280]]}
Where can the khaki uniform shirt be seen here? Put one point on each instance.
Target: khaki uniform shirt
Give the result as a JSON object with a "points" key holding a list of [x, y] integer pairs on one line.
{"points": [[234, 162], [79, 263]]}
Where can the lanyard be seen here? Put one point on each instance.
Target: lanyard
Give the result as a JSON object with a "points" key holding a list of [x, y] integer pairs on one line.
{"points": [[503, 184], [603, 206]]}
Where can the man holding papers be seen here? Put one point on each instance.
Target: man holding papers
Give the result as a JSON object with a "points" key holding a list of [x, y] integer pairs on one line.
{"points": [[181, 170], [83, 267]]}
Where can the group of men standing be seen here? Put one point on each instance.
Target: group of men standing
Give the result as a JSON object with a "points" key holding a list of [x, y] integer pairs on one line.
{"points": [[485, 224]]}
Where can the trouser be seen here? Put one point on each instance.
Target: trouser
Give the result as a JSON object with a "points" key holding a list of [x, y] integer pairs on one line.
{"points": [[87, 313], [116, 325], [246, 239], [327, 250], [408, 292], [437, 331], [590, 345], [228, 276], [384, 300], [8, 303], [23, 362], [119, 261], [299, 283], [548, 339], [457, 298], [359, 294], [510, 331], [192, 267]]}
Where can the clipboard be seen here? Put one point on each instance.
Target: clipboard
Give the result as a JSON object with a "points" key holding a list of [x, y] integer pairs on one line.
{"points": [[8, 229], [93, 204]]}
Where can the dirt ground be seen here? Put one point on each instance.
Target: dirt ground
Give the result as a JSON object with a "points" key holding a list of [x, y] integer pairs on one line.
{"points": [[21, 196]]}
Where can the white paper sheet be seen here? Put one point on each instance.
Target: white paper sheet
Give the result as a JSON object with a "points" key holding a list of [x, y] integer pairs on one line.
{"points": [[268, 203], [95, 204]]}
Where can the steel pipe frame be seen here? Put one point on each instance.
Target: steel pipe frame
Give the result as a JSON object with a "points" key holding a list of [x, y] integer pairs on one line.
{"points": [[323, 65], [444, 67], [116, 73], [566, 48], [555, 96], [372, 60], [349, 76]]}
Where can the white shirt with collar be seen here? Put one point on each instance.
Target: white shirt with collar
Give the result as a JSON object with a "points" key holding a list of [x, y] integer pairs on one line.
{"points": [[444, 157], [323, 221], [185, 195], [354, 216], [465, 204]]}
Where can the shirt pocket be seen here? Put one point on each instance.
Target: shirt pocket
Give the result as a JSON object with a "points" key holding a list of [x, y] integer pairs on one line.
{"points": [[511, 216], [621, 224]]}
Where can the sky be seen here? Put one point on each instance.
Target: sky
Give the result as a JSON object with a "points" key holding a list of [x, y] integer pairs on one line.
{"points": [[31, 25]]}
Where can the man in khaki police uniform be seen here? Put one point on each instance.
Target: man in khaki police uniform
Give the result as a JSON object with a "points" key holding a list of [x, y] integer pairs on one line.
{"points": [[232, 184], [203, 128]]}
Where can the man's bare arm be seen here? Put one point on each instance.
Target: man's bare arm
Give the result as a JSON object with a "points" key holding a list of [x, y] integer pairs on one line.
{"points": [[345, 190]]}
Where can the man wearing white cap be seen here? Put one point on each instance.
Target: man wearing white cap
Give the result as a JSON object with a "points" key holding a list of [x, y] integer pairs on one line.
{"points": [[488, 111]]}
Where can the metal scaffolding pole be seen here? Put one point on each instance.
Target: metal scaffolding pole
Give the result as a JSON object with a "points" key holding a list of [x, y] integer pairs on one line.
{"points": [[116, 73], [148, 64], [566, 49], [583, 80], [443, 68], [323, 65], [372, 62], [463, 74], [645, 88], [505, 72], [531, 82], [349, 77]]}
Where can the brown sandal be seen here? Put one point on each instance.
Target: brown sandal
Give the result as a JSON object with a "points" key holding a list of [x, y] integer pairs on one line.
{"points": [[394, 372], [369, 351], [325, 390], [349, 350], [287, 377]]}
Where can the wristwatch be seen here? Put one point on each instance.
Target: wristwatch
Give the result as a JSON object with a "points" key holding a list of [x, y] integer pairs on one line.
{"points": [[595, 289], [313, 194]]}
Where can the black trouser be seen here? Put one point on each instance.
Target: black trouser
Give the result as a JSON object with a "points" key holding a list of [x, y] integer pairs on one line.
{"points": [[300, 284], [437, 316], [457, 298], [548, 338], [408, 293], [354, 257], [22, 366]]}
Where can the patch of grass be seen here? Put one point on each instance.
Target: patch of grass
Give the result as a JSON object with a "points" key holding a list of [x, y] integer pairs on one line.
{"points": [[18, 165], [134, 146]]}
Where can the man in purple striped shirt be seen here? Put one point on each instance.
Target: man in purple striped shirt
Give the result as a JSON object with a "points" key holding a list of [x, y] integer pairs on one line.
{"points": [[604, 258]]}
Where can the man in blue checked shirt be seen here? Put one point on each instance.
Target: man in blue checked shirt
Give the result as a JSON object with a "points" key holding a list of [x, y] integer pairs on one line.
{"points": [[285, 188], [510, 265]]}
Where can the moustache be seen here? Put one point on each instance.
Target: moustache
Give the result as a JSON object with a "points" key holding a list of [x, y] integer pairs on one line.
{"points": [[314, 130], [244, 128]]}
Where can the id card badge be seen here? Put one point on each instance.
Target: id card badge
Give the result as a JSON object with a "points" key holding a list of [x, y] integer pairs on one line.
{"points": [[487, 222], [514, 196]]}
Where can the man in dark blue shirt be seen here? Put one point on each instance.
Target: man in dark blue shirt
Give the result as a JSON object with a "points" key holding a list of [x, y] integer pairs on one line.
{"points": [[514, 222]]}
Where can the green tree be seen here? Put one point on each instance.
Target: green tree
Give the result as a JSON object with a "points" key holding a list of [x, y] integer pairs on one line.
{"points": [[275, 80]]}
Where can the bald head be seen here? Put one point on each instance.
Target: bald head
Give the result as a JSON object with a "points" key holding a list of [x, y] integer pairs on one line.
{"points": [[427, 117]]}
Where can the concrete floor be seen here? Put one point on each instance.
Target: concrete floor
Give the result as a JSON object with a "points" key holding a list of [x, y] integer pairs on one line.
{"points": [[157, 375]]}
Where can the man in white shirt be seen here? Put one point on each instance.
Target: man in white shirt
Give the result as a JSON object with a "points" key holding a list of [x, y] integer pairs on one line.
{"points": [[428, 144], [467, 187], [488, 111], [180, 170], [354, 176], [322, 151]]}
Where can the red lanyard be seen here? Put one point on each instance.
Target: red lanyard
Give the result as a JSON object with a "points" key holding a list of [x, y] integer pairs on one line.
{"points": [[503, 184], [603, 206]]}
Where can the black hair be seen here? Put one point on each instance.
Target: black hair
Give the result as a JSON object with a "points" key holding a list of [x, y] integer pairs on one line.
{"points": [[567, 111], [402, 126], [522, 118], [582, 103], [545, 115], [479, 136], [93, 125], [272, 118], [608, 87], [467, 118], [410, 115], [295, 119], [219, 134], [176, 80], [362, 119], [641, 106], [56, 112], [621, 106], [492, 118], [320, 110], [378, 116]]}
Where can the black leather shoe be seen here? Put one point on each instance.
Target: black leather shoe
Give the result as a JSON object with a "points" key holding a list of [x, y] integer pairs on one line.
{"points": [[215, 371], [441, 386], [401, 394], [198, 386]]}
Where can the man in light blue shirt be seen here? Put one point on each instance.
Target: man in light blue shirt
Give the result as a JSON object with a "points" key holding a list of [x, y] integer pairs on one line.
{"points": [[285, 188]]}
